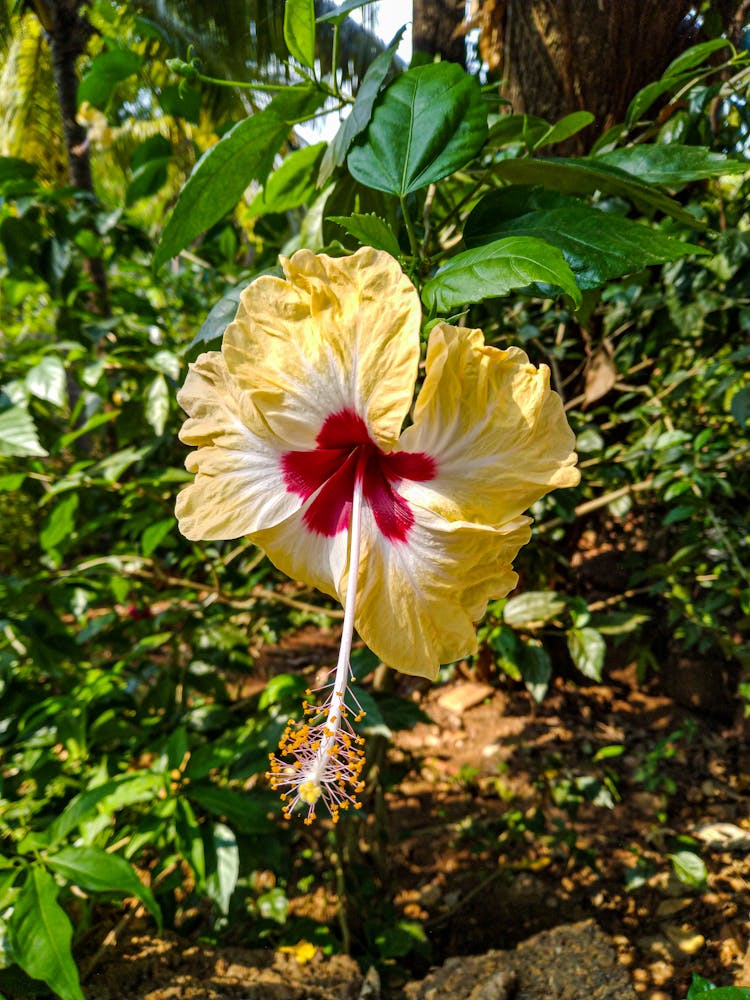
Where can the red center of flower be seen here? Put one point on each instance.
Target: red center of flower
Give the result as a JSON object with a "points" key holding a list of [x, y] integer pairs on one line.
{"points": [[344, 446]]}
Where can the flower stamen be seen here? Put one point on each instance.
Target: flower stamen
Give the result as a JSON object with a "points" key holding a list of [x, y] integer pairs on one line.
{"points": [[326, 753]]}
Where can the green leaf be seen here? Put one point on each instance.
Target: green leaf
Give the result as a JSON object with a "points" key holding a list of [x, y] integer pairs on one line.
{"points": [[651, 93], [511, 129], [149, 178], [96, 870], [739, 407], [41, 933], [104, 799], [155, 534], [427, 123], [299, 30], [585, 175], [670, 163], [694, 56], [222, 313], [533, 606], [292, 184], [342, 11], [359, 117], [535, 667], [245, 811], [13, 168], [156, 404], [223, 879], [190, 840], [565, 128], [495, 269], [48, 380], [59, 523], [220, 177], [181, 101], [597, 245], [587, 648], [370, 230], [107, 70], [707, 991], [689, 869], [18, 435]]}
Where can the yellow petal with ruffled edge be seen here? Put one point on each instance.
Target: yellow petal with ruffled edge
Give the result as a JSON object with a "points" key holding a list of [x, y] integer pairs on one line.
{"points": [[497, 432], [238, 487], [337, 334], [418, 601]]}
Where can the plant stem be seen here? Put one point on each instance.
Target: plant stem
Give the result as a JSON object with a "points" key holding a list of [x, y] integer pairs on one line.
{"points": [[413, 244]]}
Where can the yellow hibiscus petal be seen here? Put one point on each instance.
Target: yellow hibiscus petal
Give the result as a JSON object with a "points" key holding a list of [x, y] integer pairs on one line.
{"points": [[317, 560], [497, 432], [337, 334], [418, 600], [238, 487]]}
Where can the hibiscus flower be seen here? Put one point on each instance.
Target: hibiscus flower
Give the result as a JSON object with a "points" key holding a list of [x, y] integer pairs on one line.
{"points": [[298, 423]]}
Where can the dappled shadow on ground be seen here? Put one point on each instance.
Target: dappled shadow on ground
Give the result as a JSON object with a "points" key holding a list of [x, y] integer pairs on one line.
{"points": [[515, 819], [509, 819]]}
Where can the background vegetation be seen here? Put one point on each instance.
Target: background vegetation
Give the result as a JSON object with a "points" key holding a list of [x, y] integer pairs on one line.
{"points": [[136, 721]]}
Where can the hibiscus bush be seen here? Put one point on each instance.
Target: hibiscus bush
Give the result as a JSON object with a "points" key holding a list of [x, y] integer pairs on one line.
{"points": [[138, 715]]}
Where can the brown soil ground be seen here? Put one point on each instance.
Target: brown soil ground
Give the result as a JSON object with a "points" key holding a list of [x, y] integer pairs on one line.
{"points": [[507, 824]]}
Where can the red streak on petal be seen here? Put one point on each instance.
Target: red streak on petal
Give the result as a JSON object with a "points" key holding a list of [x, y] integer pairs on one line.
{"points": [[342, 447]]}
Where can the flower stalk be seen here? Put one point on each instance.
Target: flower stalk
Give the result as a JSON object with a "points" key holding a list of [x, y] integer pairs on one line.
{"points": [[326, 757]]}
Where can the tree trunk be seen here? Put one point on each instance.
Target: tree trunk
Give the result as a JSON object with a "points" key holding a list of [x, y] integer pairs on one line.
{"points": [[436, 29], [68, 30], [559, 56]]}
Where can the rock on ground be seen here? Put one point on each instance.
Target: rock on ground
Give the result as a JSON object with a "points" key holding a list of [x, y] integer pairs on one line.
{"points": [[571, 962]]}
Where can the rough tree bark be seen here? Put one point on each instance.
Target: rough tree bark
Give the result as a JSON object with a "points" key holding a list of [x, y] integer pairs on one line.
{"points": [[558, 56], [436, 29], [68, 30]]}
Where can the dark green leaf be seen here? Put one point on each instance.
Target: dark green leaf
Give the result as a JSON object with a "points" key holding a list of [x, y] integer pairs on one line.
{"points": [[190, 840], [427, 123], [245, 811], [359, 117], [147, 180], [370, 230], [41, 933], [220, 316], [292, 184], [96, 870], [651, 93], [156, 147], [510, 129], [181, 101], [299, 30], [533, 606], [671, 164], [495, 269], [18, 435], [219, 178], [694, 56], [587, 175], [740, 406], [597, 245], [587, 648], [12, 168], [107, 70]]}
